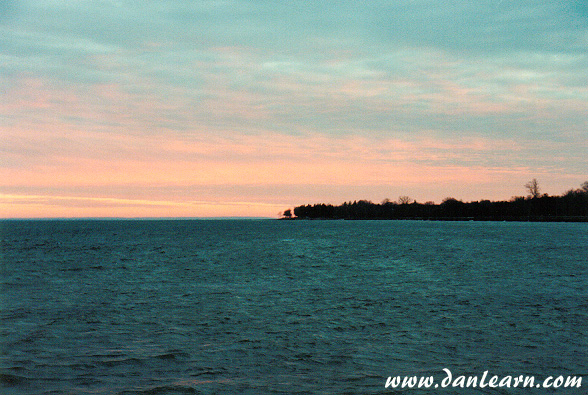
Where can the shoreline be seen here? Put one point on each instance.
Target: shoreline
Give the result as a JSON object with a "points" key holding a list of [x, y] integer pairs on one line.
{"points": [[451, 219]]}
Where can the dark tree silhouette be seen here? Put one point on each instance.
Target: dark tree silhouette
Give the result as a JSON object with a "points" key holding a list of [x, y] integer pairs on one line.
{"points": [[404, 200], [571, 206], [533, 188]]}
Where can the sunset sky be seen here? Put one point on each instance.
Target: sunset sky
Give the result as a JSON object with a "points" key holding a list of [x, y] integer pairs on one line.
{"points": [[246, 108]]}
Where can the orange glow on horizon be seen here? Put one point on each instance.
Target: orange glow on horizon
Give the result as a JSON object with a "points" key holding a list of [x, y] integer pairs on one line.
{"points": [[426, 168], [35, 206]]}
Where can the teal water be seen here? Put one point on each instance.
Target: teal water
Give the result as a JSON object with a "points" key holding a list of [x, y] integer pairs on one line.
{"points": [[288, 307]]}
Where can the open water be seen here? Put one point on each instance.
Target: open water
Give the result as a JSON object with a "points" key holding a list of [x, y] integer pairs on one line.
{"points": [[288, 307]]}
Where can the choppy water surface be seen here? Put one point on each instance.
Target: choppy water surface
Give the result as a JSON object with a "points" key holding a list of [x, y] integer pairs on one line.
{"points": [[287, 307]]}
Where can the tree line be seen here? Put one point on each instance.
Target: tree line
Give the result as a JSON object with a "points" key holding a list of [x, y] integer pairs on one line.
{"points": [[570, 206]]}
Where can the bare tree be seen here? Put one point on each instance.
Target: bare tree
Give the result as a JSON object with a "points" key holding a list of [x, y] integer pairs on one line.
{"points": [[404, 200], [533, 188], [585, 187]]}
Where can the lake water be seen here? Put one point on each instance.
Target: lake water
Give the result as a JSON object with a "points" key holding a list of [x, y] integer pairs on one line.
{"points": [[288, 307]]}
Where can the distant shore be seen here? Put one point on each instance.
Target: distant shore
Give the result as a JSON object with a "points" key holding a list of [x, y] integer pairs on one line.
{"points": [[569, 207], [454, 219]]}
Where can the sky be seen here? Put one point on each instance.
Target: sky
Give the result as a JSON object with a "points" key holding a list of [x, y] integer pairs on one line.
{"points": [[208, 108]]}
